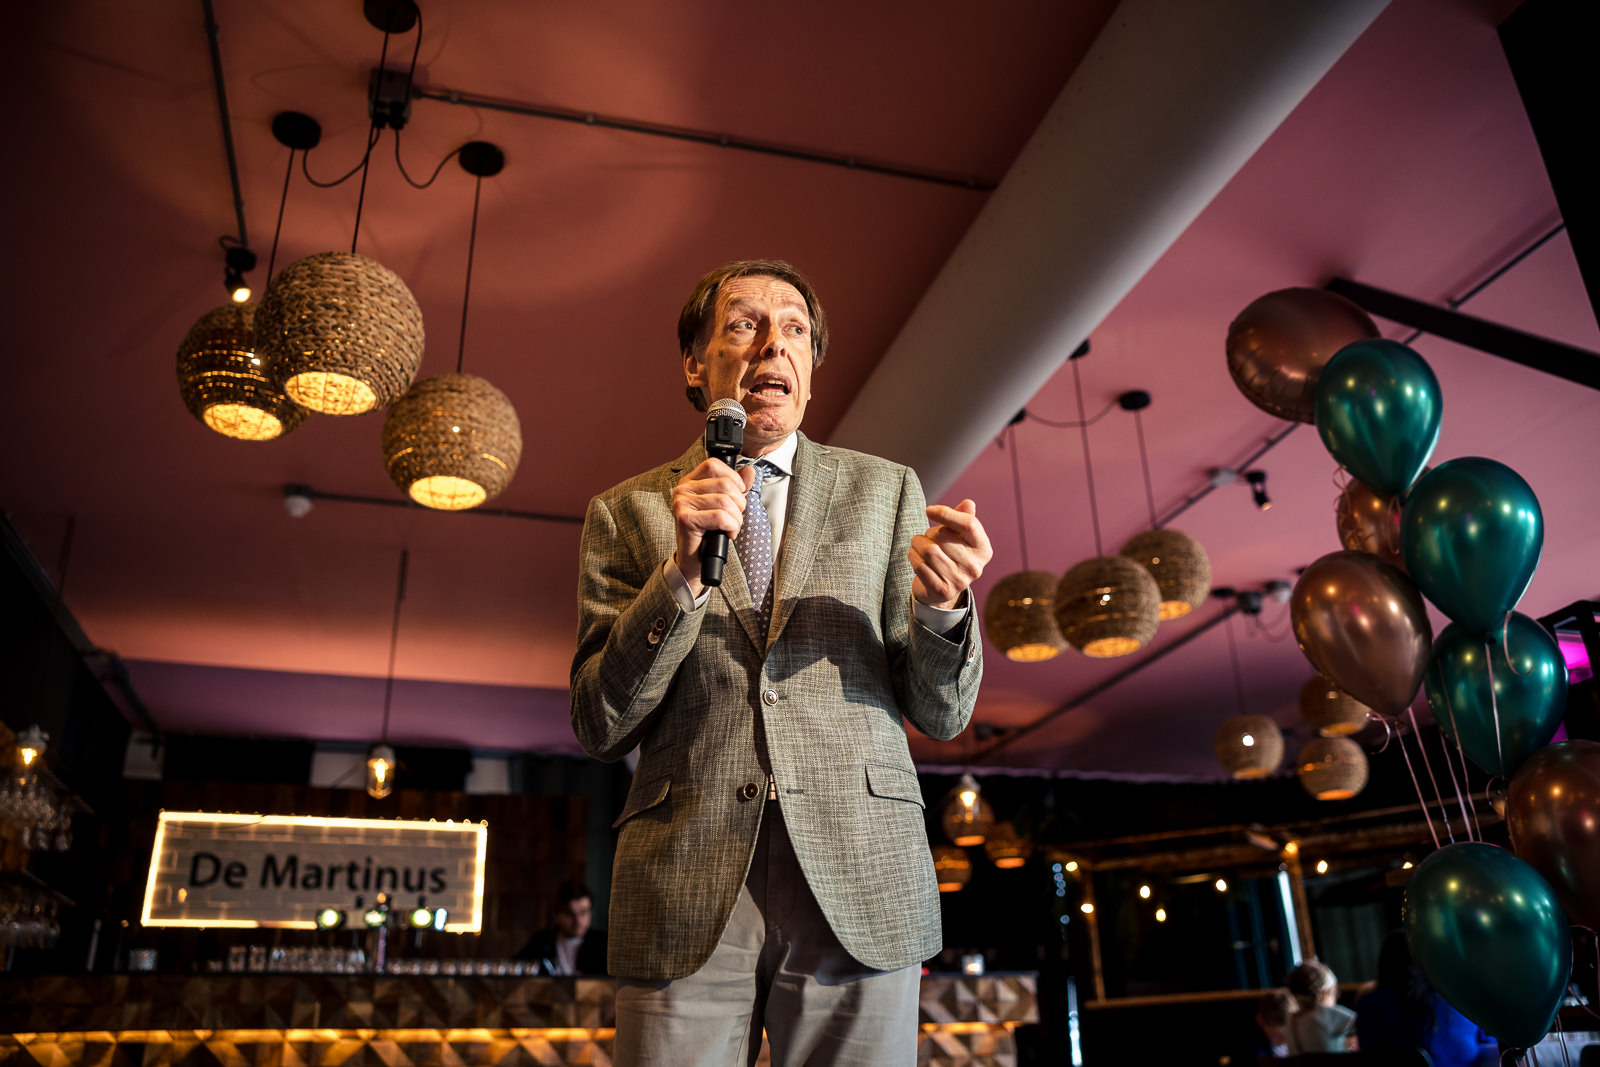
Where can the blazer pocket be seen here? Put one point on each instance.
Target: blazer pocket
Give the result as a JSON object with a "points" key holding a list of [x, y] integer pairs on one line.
{"points": [[643, 798], [894, 783]]}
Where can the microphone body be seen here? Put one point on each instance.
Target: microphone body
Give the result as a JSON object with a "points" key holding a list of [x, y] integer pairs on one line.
{"points": [[724, 440]]}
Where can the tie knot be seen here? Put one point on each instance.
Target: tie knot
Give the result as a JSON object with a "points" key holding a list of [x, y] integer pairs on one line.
{"points": [[763, 469]]}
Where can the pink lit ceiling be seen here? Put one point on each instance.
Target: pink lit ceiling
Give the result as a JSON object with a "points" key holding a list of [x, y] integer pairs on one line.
{"points": [[1410, 166]]}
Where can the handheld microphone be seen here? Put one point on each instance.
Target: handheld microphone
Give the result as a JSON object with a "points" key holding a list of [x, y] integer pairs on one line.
{"points": [[724, 441]]}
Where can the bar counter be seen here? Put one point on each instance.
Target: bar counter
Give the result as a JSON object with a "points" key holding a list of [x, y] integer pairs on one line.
{"points": [[278, 1020]]}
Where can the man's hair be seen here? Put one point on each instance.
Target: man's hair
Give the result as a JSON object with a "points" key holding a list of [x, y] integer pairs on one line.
{"points": [[694, 321], [571, 890], [1309, 981]]}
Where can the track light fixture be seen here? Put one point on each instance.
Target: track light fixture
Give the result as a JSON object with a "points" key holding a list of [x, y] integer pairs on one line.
{"points": [[240, 261], [1258, 488]]}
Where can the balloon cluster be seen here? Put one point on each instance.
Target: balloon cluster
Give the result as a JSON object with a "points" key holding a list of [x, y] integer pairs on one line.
{"points": [[1486, 925]]}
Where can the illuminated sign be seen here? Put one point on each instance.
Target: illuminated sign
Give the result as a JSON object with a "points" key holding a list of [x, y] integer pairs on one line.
{"points": [[282, 870]]}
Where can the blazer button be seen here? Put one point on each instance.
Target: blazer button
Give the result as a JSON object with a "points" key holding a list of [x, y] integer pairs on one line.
{"points": [[770, 697], [750, 790]]}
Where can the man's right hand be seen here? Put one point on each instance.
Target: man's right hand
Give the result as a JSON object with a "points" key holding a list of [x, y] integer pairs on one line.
{"points": [[710, 497]]}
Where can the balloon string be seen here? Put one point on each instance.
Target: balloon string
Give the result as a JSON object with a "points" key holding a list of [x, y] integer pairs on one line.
{"points": [[1465, 775], [1494, 707], [1421, 800], [1461, 798], [1444, 809]]}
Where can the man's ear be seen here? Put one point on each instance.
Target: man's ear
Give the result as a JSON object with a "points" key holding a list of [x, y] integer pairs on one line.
{"points": [[694, 369]]}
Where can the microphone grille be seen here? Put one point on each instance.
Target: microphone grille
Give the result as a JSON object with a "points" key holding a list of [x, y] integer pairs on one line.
{"points": [[726, 408]]}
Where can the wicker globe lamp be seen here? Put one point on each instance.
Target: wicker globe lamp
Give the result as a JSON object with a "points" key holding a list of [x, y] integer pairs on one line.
{"points": [[1333, 768], [340, 332], [1006, 848], [223, 383], [951, 867], [1329, 710], [967, 817], [1108, 606], [1179, 565], [1019, 617], [1249, 746], [452, 442]]}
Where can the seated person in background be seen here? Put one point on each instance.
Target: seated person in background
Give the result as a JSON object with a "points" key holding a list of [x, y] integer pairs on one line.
{"points": [[1320, 1024], [569, 946], [1405, 1011], [1272, 1015]]}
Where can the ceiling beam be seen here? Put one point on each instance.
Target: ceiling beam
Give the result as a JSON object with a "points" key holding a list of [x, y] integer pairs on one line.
{"points": [[1564, 361], [1168, 105]]}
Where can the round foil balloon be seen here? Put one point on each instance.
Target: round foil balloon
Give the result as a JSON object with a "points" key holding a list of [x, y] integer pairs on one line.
{"points": [[1472, 533], [1552, 810], [1491, 938], [1529, 691], [1362, 623], [1369, 522], [1378, 410], [1279, 343]]}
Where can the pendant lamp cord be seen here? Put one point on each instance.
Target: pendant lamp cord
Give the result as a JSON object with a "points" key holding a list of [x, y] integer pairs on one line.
{"points": [[1144, 462], [394, 639], [472, 248], [1088, 467], [283, 201], [1238, 676], [1016, 485]]}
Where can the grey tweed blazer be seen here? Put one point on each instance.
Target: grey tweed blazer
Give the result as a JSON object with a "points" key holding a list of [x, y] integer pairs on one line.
{"points": [[820, 701]]}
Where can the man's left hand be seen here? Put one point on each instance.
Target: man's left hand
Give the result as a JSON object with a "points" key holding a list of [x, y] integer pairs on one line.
{"points": [[950, 556]]}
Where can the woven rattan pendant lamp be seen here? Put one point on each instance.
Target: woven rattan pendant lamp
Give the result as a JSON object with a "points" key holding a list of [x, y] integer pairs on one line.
{"points": [[1175, 560], [1249, 746], [966, 817], [453, 441], [1109, 605], [222, 378], [1329, 710], [341, 333], [1019, 615], [1333, 768]]}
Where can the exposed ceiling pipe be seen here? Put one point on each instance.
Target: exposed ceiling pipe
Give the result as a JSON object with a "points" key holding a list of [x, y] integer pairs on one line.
{"points": [[1168, 105]]}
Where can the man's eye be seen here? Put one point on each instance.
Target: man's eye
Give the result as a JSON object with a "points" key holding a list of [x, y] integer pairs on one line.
{"points": [[743, 324]]}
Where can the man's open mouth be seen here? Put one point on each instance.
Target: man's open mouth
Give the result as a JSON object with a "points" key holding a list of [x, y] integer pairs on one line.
{"points": [[769, 387]]}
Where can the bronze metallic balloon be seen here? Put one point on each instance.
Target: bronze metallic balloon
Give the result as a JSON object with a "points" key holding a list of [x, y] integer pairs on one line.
{"points": [[1278, 345], [1553, 812], [1361, 622], [1369, 522]]}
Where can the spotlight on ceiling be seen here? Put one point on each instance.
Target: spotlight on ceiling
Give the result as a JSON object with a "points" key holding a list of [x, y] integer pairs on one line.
{"points": [[1258, 488], [240, 261]]}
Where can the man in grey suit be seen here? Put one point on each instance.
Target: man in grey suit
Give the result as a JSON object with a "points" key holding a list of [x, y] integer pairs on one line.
{"points": [[772, 869]]}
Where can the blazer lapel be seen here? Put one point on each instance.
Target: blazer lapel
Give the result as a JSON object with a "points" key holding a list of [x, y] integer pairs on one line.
{"points": [[815, 473]]}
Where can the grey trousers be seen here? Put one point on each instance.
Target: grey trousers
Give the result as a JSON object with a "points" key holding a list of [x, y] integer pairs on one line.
{"points": [[778, 967]]}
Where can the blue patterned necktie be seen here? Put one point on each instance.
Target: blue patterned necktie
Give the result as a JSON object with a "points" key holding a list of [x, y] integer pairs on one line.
{"points": [[755, 549]]}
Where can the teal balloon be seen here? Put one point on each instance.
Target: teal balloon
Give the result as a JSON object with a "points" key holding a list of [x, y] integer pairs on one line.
{"points": [[1491, 938], [1378, 408], [1530, 690], [1471, 533]]}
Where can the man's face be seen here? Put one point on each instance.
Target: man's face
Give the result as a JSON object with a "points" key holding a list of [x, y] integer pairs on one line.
{"points": [[572, 919], [758, 353]]}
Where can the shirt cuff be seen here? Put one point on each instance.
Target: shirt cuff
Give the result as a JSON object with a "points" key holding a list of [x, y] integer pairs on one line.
{"points": [[942, 621], [680, 588]]}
